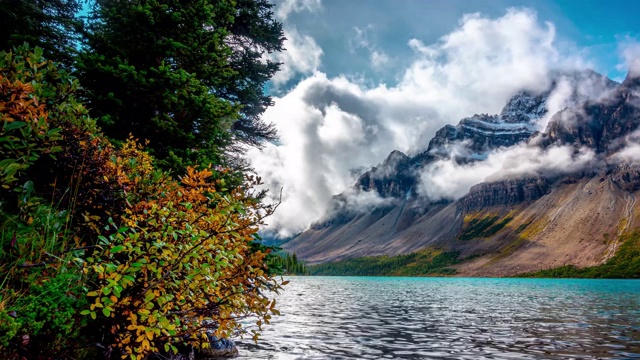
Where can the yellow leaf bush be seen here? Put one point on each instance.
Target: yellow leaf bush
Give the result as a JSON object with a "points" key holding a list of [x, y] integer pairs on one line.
{"points": [[181, 263]]}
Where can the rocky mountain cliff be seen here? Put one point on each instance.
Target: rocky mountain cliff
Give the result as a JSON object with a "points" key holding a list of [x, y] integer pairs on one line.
{"points": [[515, 224]]}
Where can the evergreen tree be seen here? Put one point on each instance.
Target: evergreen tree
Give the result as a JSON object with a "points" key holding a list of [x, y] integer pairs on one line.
{"points": [[253, 34], [49, 24], [186, 75]]}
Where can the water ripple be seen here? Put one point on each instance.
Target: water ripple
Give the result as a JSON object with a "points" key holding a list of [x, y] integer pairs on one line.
{"points": [[418, 318]]}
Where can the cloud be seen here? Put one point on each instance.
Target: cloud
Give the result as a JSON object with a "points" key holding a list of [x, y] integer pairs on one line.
{"points": [[363, 40], [630, 153], [357, 201], [447, 179], [286, 7], [302, 56], [629, 51], [571, 89], [330, 126], [379, 60], [360, 39]]}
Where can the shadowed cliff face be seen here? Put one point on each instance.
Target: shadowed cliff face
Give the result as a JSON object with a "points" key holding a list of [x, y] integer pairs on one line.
{"points": [[544, 221], [395, 177], [598, 124], [504, 193], [626, 176]]}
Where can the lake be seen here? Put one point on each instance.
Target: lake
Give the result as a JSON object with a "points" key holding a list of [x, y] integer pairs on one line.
{"points": [[461, 318]]}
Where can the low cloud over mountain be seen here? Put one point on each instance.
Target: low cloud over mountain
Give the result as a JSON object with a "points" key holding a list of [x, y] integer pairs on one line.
{"points": [[331, 127]]}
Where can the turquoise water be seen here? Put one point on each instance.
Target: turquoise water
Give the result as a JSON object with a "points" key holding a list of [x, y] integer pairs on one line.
{"points": [[457, 318]]}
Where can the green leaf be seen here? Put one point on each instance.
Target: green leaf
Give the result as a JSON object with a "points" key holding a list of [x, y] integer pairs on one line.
{"points": [[4, 163], [106, 312], [85, 312], [37, 53], [14, 125], [117, 249]]}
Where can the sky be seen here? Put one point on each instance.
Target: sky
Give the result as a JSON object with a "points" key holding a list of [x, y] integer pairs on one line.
{"points": [[362, 78]]}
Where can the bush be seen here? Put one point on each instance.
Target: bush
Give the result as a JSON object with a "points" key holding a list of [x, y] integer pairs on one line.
{"points": [[180, 265], [40, 289], [119, 255]]}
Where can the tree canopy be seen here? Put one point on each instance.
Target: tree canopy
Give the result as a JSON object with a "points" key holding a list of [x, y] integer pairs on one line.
{"points": [[103, 252], [186, 75], [49, 24]]}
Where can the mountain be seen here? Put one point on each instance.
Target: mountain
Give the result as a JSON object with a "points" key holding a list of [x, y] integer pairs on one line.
{"points": [[516, 223]]}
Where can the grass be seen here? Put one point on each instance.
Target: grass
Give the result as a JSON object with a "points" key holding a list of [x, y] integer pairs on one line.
{"points": [[484, 227], [522, 227], [422, 263]]}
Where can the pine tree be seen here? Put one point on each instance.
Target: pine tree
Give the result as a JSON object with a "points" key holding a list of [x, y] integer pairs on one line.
{"points": [[186, 75], [49, 24], [253, 34]]}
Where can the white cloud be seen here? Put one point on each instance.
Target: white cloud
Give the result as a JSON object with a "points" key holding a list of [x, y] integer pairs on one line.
{"points": [[379, 60], [302, 56], [358, 201], [630, 153], [449, 180], [571, 89], [330, 126], [629, 50], [286, 7]]}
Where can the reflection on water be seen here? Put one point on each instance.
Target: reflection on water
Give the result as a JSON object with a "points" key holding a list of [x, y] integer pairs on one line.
{"points": [[417, 318]]}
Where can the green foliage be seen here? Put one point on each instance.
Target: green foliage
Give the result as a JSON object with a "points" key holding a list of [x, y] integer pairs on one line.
{"points": [[48, 141], [40, 291], [180, 263], [285, 263], [47, 313], [26, 132], [484, 227], [253, 34], [180, 74], [50, 25], [36, 99], [40, 288], [97, 245], [625, 264], [424, 262]]}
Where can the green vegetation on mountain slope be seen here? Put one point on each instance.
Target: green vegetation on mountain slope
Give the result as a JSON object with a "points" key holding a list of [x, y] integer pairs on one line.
{"points": [[422, 263]]}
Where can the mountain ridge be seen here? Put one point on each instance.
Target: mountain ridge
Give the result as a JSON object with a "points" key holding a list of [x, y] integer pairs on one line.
{"points": [[405, 220]]}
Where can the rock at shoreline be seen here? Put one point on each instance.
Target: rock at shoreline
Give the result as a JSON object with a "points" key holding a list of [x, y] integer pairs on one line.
{"points": [[218, 348]]}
